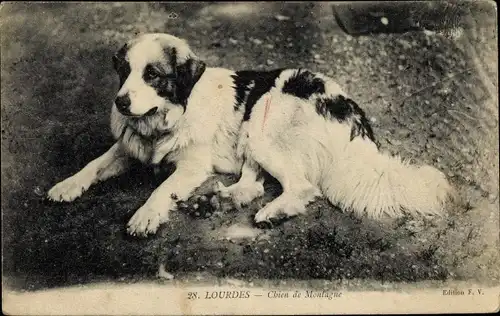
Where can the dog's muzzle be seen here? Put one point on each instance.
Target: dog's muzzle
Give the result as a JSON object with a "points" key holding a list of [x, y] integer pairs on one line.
{"points": [[123, 105]]}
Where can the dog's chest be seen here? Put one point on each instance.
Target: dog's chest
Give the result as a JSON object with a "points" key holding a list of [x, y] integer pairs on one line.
{"points": [[140, 146]]}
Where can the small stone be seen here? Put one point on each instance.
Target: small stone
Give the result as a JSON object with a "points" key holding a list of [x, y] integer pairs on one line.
{"points": [[38, 191], [270, 62], [317, 56], [256, 41], [195, 206], [373, 119], [429, 32], [233, 41], [280, 17], [384, 20], [289, 45], [266, 250], [203, 198], [270, 46], [162, 273], [235, 282], [401, 67]]}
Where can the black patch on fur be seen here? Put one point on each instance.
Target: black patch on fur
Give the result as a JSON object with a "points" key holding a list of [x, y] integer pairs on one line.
{"points": [[250, 86], [188, 75], [177, 84], [173, 57], [163, 83], [337, 107], [121, 65], [341, 109], [361, 125], [303, 84]]}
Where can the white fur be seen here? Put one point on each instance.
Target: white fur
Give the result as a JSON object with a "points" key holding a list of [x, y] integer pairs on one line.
{"points": [[310, 155]]}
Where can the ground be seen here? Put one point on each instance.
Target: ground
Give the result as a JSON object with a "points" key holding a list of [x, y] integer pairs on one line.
{"points": [[430, 96]]}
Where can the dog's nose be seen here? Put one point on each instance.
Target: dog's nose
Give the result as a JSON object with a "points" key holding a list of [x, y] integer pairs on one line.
{"points": [[123, 103]]}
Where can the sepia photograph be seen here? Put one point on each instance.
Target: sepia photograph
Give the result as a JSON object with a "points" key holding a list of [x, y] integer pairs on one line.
{"points": [[210, 158]]}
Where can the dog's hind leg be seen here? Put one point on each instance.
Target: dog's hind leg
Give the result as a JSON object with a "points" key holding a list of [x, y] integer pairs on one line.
{"points": [[249, 187], [111, 163], [297, 190]]}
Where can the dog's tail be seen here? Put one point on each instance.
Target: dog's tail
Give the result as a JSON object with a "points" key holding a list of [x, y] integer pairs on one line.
{"points": [[372, 183]]}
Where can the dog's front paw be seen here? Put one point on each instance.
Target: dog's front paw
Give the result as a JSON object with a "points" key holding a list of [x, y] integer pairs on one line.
{"points": [[68, 190], [147, 219]]}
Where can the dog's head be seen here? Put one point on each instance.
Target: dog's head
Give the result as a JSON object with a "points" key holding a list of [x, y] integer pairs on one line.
{"points": [[157, 73]]}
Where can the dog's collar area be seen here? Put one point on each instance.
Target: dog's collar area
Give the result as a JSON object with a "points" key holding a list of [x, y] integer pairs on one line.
{"points": [[155, 136]]}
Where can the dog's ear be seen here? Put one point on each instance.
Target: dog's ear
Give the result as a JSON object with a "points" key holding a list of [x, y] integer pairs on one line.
{"points": [[119, 57], [188, 75], [121, 65]]}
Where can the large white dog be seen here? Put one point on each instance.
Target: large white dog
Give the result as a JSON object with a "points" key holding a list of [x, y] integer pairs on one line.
{"points": [[297, 125]]}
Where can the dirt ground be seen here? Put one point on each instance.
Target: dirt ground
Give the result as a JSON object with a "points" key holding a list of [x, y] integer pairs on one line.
{"points": [[430, 96]]}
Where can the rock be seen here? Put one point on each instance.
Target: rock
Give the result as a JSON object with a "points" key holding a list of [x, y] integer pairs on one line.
{"points": [[38, 191], [429, 33], [233, 41], [214, 201], [235, 282], [199, 277], [270, 62], [280, 17], [162, 273], [239, 232], [256, 41]]}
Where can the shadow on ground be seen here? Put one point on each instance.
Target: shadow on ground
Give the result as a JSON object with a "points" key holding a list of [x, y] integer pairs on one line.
{"points": [[57, 87]]}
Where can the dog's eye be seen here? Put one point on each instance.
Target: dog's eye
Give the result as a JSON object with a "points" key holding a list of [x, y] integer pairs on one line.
{"points": [[151, 74]]}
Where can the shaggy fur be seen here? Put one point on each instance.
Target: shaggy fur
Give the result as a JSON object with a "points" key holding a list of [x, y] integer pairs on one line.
{"points": [[297, 125]]}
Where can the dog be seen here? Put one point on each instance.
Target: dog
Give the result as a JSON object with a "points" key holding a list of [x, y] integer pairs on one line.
{"points": [[297, 125]]}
